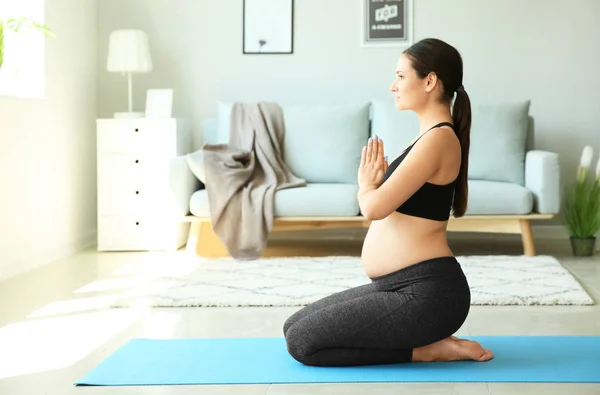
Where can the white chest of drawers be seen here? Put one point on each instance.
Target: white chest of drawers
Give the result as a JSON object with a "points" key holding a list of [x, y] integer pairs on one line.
{"points": [[136, 211]]}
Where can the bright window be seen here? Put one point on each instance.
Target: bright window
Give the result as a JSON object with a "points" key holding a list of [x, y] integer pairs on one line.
{"points": [[23, 72]]}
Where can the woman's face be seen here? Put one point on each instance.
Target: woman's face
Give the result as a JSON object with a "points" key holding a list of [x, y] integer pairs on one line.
{"points": [[408, 89]]}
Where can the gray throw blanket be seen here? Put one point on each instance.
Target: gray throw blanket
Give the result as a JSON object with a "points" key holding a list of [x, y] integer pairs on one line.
{"points": [[242, 177]]}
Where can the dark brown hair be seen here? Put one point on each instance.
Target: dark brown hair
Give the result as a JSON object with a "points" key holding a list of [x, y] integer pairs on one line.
{"points": [[432, 55]]}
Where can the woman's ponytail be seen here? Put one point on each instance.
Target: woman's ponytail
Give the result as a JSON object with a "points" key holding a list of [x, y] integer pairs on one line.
{"points": [[461, 116]]}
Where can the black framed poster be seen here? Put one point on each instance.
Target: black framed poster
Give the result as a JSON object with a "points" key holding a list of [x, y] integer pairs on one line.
{"points": [[268, 27], [387, 23]]}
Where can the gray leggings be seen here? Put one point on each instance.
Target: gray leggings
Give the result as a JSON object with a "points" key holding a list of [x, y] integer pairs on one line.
{"points": [[383, 321]]}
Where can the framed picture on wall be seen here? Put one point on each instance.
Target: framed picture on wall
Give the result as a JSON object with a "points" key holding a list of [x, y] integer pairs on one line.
{"points": [[387, 23], [268, 27]]}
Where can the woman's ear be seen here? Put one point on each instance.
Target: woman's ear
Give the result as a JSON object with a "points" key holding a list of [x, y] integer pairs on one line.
{"points": [[430, 82]]}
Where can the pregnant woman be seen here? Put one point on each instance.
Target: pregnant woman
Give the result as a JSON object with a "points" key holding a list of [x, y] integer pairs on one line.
{"points": [[418, 296]]}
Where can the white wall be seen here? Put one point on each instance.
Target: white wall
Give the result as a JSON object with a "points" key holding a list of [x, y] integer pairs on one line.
{"points": [[47, 165]]}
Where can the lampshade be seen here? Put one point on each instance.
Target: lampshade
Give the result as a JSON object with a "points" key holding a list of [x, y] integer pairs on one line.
{"points": [[129, 52]]}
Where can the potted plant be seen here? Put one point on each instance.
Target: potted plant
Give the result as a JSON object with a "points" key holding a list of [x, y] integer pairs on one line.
{"points": [[20, 25], [581, 206]]}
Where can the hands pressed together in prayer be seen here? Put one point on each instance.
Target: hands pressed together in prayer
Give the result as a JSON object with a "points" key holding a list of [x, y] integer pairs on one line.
{"points": [[373, 165]]}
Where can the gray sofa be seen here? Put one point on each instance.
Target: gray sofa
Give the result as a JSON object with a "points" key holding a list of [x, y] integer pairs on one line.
{"points": [[510, 182]]}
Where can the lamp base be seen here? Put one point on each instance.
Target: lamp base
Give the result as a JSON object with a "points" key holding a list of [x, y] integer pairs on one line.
{"points": [[128, 115]]}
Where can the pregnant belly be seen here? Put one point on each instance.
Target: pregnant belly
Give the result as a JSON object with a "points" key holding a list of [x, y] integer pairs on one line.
{"points": [[397, 242]]}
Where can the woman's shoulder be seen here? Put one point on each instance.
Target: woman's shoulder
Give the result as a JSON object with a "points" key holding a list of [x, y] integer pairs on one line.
{"points": [[438, 140]]}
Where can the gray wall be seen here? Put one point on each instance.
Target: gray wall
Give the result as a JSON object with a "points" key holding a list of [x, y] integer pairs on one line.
{"points": [[48, 161], [543, 50]]}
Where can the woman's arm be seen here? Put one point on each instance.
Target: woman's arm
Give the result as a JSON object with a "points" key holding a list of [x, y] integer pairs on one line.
{"points": [[419, 165]]}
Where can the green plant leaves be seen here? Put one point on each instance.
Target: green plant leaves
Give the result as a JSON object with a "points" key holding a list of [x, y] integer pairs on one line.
{"points": [[581, 208], [20, 25]]}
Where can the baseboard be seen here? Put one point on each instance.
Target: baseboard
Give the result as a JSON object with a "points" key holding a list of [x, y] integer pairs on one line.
{"points": [[550, 232], [41, 258], [540, 232], [546, 232]]}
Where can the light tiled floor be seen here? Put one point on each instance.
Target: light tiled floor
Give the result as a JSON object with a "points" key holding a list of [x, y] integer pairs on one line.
{"points": [[52, 333]]}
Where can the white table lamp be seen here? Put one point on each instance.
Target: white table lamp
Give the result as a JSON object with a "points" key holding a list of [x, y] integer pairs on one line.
{"points": [[129, 53]]}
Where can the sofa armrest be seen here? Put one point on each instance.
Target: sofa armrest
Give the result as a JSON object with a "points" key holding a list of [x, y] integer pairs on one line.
{"points": [[182, 184], [542, 178]]}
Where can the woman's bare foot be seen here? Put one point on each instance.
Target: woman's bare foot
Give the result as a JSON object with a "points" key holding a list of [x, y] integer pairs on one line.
{"points": [[452, 349]]}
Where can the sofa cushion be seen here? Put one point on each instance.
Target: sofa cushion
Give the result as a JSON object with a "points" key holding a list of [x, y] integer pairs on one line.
{"points": [[496, 197], [195, 161], [498, 142], [315, 199], [396, 128], [323, 143]]}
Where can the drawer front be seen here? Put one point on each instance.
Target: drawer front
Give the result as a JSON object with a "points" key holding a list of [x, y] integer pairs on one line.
{"points": [[134, 233], [136, 135], [119, 135], [126, 200], [121, 170], [116, 232]]}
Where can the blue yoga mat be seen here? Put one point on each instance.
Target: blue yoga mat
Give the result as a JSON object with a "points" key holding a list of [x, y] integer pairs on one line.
{"points": [[525, 359]]}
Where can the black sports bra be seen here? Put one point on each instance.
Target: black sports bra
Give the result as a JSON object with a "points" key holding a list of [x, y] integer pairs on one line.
{"points": [[431, 201]]}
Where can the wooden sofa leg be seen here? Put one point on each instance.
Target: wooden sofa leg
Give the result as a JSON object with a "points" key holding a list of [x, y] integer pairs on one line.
{"points": [[527, 235], [192, 240], [207, 244]]}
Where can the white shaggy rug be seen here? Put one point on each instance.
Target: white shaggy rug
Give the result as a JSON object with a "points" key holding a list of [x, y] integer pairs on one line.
{"points": [[297, 281]]}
